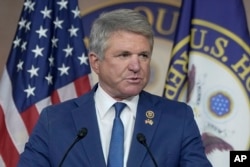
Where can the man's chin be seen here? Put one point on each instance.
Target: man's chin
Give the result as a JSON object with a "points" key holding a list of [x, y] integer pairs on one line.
{"points": [[132, 91]]}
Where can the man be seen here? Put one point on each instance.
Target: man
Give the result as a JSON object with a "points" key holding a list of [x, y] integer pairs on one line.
{"points": [[121, 44]]}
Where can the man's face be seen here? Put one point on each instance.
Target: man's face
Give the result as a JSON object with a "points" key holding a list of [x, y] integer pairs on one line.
{"points": [[125, 69]]}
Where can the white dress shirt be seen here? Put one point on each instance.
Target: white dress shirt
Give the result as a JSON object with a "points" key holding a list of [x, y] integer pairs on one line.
{"points": [[105, 115]]}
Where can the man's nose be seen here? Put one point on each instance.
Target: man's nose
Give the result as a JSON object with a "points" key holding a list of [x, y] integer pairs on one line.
{"points": [[134, 64]]}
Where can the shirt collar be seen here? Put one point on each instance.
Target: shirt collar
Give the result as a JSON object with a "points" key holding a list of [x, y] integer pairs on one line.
{"points": [[104, 102]]}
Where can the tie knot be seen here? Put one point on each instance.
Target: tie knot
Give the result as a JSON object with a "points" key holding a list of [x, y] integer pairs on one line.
{"points": [[119, 106]]}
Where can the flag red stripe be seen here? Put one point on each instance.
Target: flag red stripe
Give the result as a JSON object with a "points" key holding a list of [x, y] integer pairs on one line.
{"points": [[82, 85], [55, 98], [30, 117], [8, 151]]}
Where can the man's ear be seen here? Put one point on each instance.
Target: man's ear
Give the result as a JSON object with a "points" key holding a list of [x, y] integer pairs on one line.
{"points": [[94, 62]]}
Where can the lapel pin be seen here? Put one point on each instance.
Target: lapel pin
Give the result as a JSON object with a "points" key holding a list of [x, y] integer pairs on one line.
{"points": [[150, 115]]}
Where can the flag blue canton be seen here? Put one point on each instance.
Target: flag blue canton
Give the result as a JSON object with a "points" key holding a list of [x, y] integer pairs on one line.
{"points": [[48, 50]]}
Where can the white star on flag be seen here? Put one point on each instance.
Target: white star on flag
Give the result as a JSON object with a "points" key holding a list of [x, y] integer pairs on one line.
{"points": [[33, 71], [38, 51], [42, 32], [46, 12], [30, 91], [64, 70]]}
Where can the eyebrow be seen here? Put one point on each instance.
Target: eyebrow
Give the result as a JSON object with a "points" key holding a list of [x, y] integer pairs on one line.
{"points": [[145, 52]]}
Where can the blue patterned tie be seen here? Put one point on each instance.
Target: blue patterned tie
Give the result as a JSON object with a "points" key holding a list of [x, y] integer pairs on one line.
{"points": [[116, 149]]}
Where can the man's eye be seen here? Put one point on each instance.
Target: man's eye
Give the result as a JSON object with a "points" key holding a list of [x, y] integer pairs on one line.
{"points": [[144, 55], [124, 55]]}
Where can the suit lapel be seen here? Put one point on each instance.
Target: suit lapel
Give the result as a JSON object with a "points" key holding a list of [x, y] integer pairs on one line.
{"points": [[85, 116], [147, 119]]}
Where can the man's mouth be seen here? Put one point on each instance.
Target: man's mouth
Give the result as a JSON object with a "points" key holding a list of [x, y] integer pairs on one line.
{"points": [[134, 80]]}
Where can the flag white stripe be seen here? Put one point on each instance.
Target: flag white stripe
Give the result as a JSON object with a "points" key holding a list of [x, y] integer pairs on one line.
{"points": [[2, 164], [14, 123], [67, 92], [43, 103]]}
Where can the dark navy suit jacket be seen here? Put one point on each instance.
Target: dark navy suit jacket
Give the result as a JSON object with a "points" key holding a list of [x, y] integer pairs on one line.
{"points": [[173, 136]]}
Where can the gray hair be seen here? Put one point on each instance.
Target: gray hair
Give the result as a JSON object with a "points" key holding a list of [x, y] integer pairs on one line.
{"points": [[117, 20]]}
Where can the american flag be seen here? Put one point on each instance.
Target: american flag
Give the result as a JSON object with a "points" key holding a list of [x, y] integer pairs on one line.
{"points": [[47, 64]]}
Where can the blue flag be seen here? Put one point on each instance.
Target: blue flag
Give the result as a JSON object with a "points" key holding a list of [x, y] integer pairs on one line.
{"points": [[47, 64], [210, 70]]}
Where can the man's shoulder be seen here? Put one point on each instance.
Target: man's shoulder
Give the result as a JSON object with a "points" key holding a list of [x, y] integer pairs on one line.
{"points": [[70, 104], [159, 99]]}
